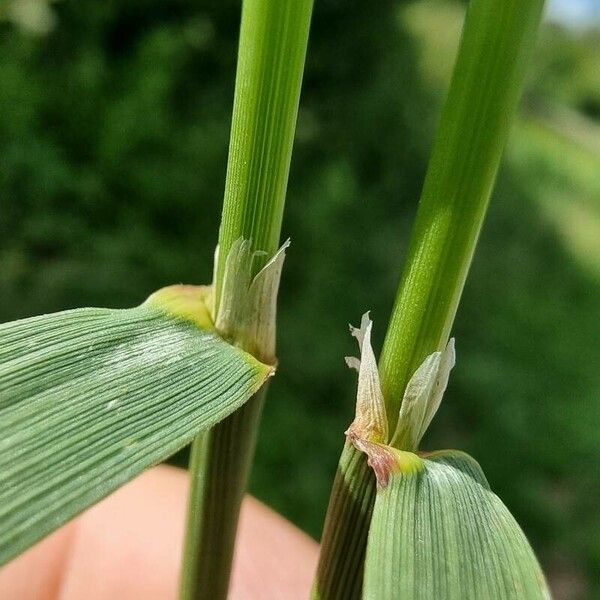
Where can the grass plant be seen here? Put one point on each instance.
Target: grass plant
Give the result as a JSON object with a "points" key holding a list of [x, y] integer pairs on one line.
{"points": [[496, 41], [89, 398]]}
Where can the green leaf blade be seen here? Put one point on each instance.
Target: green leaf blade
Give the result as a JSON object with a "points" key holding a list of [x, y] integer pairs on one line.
{"points": [[90, 398], [442, 533]]}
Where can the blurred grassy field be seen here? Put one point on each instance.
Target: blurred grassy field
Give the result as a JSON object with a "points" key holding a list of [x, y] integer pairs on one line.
{"points": [[114, 123]]}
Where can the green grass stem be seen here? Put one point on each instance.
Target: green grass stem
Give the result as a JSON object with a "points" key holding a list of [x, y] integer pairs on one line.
{"points": [[496, 41], [272, 49]]}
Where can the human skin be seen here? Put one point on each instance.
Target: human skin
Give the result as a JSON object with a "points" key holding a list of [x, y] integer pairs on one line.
{"points": [[128, 547]]}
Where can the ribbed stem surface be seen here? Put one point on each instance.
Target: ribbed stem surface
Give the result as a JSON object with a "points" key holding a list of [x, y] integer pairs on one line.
{"points": [[496, 41], [273, 41], [219, 467], [272, 50], [346, 529]]}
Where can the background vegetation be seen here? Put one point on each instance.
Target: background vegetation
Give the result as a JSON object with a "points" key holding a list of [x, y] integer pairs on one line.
{"points": [[114, 123]]}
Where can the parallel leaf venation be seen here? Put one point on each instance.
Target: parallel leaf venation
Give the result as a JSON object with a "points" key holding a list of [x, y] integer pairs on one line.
{"points": [[91, 397]]}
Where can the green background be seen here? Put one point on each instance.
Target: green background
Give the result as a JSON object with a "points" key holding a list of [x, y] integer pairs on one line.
{"points": [[114, 124]]}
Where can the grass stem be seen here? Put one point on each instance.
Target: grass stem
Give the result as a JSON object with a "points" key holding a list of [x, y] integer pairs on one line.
{"points": [[496, 41], [272, 49], [476, 119]]}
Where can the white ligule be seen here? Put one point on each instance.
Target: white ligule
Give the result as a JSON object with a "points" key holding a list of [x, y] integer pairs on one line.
{"points": [[420, 403], [370, 422], [422, 397], [248, 306]]}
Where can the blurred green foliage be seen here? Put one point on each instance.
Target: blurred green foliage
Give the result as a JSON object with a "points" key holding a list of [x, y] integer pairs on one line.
{"points": [[114, 129]]}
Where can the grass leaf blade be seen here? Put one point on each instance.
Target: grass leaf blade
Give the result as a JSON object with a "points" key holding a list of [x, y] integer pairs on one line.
{"points": [[89, 398], [440, 532]]}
